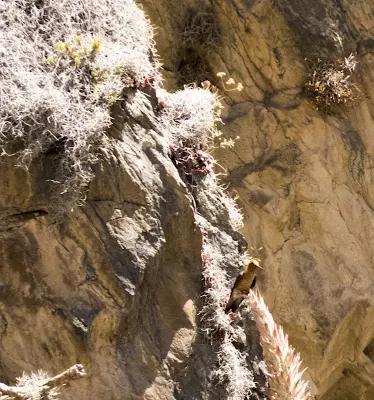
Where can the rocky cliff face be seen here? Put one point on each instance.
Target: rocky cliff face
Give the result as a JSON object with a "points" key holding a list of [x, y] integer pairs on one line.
{"points": [[113, 287], [117, 283], [304, 176]]}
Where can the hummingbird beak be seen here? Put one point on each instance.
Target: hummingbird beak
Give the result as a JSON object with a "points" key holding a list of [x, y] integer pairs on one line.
{"points": [[256, 262]]}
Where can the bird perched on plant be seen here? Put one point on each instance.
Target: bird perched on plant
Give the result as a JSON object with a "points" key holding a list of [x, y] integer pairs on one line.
{"points": [[244, 282]]}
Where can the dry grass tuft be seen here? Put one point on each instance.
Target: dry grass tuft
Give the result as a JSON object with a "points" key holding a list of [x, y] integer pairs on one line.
{"points": [[190, 116], [233, 370], [216, 290], [199, 36], [33, 384], [200, 31], [62, 64], [331, 85], [283, 364]]}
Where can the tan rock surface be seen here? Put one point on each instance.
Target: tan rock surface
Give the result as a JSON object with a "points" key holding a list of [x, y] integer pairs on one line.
{"points": [[115, 287], [304, 177], [131, 283], [117, 284]]}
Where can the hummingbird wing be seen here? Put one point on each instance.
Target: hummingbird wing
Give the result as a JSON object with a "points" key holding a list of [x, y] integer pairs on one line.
{"points": [[232, 304]]}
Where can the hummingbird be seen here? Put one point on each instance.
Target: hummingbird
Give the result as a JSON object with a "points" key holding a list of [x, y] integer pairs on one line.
{"points": [[244, 282]]}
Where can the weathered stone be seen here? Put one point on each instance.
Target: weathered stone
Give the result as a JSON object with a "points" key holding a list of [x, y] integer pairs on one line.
{"points": [[304, 177], [115, 286]]}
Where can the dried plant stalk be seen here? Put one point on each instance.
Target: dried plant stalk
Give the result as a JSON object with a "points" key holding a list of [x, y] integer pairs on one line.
{"points": [[283, 363], [40, 386]]}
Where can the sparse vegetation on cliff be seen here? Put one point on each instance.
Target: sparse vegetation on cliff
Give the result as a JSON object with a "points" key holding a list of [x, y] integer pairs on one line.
{"points": [[191, 116], [62, 65], [200, 31], [331, 84], [232, 369]]}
